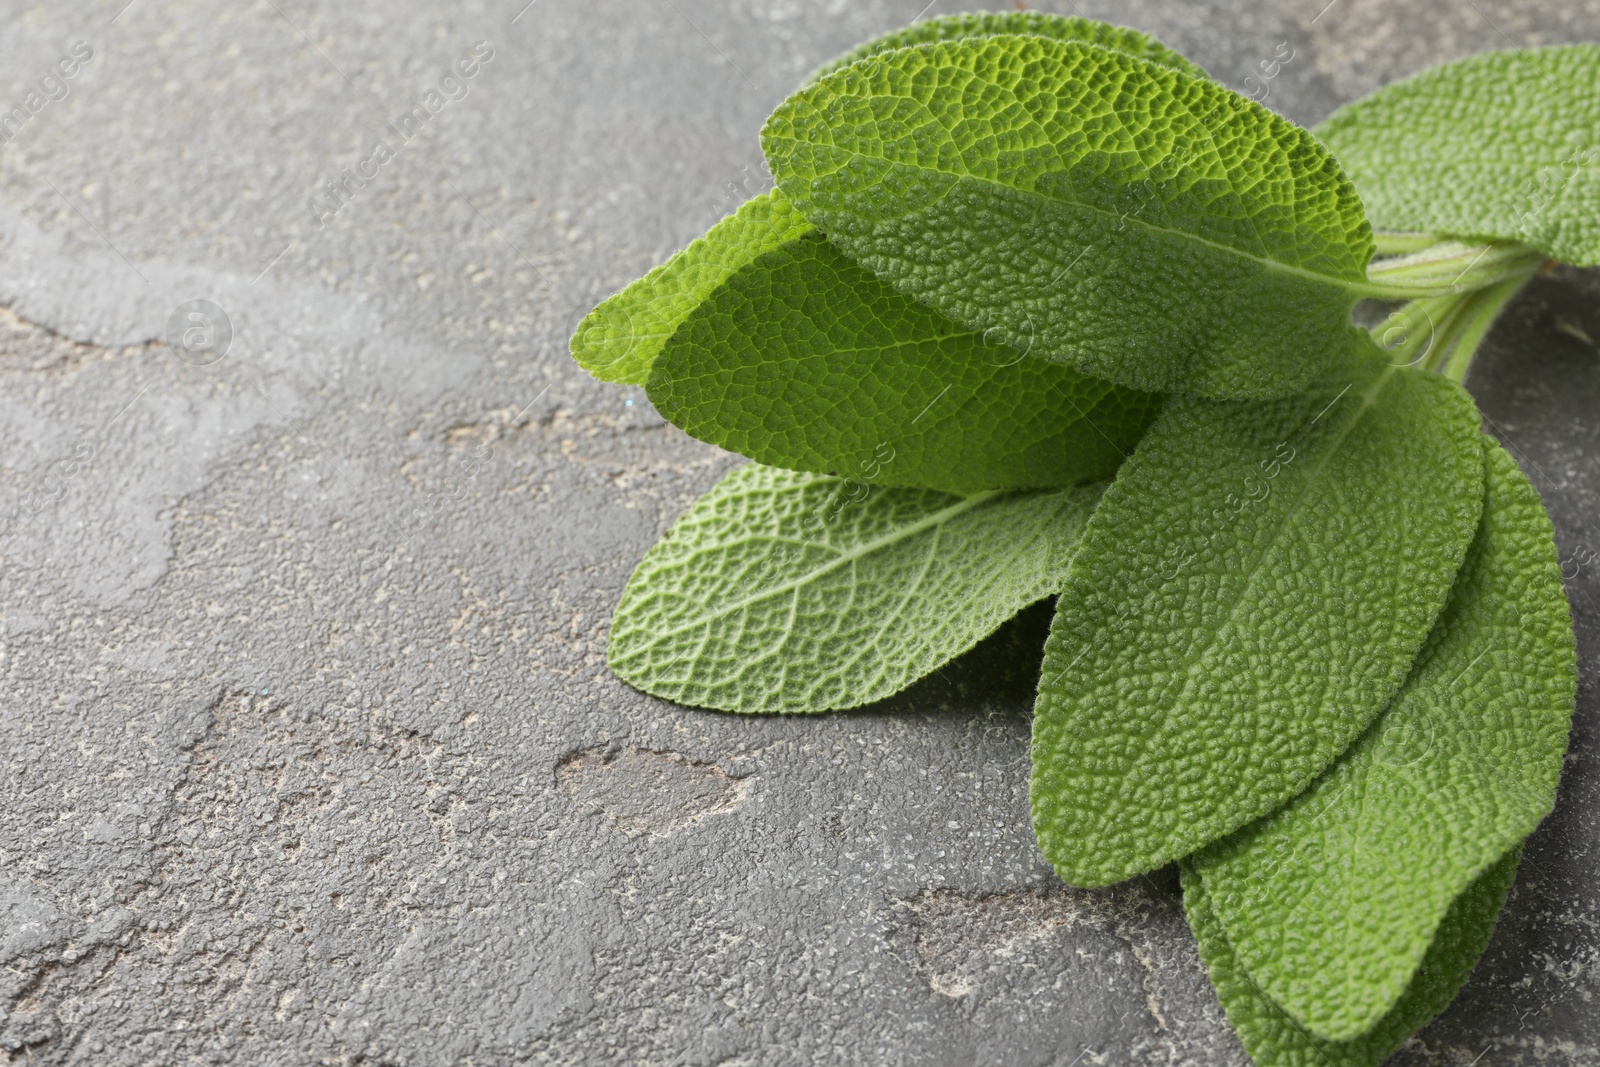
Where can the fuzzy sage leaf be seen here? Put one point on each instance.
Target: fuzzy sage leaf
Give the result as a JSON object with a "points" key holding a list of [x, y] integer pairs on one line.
{"points": [[1037, 23], [619, 340], [1143, 225], [1331, 902], [803, 360], [789, 592], [1500, 145], [1273, 1039], [1248, 597]]}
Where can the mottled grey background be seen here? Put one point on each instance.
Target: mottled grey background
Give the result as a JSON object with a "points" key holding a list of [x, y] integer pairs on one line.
{"points": [[309, 751]]}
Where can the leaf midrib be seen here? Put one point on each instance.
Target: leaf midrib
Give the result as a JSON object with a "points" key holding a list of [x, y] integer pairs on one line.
{"points": [[1266, 262], [865, 548]]}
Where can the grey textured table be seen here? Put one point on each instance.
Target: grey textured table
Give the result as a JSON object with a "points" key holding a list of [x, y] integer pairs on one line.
{"points": [[309, 750]]}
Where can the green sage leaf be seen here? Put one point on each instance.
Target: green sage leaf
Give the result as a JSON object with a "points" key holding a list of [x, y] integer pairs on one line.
{"points": [[1145, 226], [1037, 23], [1248, 597], [804, 360], [618, 340], [1273, 1039], [1499, 145], [788, 592], [1330, 902]]}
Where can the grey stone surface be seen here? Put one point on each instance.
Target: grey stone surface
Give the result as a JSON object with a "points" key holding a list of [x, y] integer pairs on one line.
{"points": [[309, 751]]}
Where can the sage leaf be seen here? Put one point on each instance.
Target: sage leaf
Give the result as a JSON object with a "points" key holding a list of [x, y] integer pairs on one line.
{"points": [[1037, 23], [804, 360], [1145, 226], [1330, 902], [1248, 597], [1273, 1039], [1499, 145], [619, 340], [782, 591]]}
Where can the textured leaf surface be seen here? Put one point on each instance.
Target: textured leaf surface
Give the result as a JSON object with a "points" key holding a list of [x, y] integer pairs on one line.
{"points": [[779, 592], [1249, 595], [1499, 144], [1141, 224], [804, 360], [618, 341], [1331, 901], [1273, 1039], [994, 23]]}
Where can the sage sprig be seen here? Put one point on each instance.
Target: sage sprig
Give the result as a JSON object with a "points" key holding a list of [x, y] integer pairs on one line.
{"points": [[1037, 308]]}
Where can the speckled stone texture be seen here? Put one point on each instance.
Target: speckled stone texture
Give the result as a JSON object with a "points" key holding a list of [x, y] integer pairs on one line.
{"points": [[310, 755]]}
